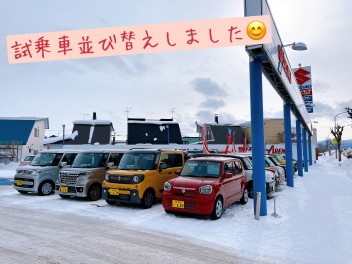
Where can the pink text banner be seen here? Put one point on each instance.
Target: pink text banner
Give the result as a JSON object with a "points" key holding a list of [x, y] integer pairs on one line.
{"points": [[76, 44]]}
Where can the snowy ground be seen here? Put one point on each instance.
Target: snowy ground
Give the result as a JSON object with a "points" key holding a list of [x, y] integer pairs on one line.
{"points": [[314, 223]]}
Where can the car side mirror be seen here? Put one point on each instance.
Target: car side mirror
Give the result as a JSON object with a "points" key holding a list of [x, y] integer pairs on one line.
{"points": [[228, 175], [178, 172], [109, 165], [63, 164], [162, 166]]}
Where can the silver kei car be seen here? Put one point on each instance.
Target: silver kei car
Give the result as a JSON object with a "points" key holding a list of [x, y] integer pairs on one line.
{"points": [[40, 176]]}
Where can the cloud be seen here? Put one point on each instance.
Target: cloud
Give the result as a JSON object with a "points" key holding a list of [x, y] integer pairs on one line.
{"points": [[223, 117], [321, 85], [207, 87], [213, 103]]}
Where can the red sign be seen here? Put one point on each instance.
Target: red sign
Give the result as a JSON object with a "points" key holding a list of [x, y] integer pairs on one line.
{"points": [[282, 60], [274, 150], [306, 92], [301, 76]]}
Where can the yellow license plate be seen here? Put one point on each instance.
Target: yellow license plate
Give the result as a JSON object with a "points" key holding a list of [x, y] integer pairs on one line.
{"points": [[114, 191], [19, 182], [178, 204], [64, 189]]}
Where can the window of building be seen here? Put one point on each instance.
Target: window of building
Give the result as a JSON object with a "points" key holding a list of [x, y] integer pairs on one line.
{"points": [[36, 132]]}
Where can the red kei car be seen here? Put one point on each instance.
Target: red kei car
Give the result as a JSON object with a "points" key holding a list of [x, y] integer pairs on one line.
{"points": [[205, 186]]}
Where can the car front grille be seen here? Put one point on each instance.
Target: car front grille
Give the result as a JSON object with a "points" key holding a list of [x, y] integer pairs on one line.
{"points": [[68, 178], [124, 179], [123, 197]]}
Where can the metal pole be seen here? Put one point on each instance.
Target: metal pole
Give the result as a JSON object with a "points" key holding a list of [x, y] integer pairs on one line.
{"points": [[288, 144], [257, 207], [299, 147], [63, 136], [257, 127], [305, 154], [310, 150]]}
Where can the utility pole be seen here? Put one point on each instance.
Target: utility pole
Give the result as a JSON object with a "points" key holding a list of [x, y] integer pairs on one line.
{"points": [[172, 110], [127, 110]]}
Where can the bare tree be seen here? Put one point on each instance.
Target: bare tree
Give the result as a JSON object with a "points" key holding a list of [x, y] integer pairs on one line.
{"points": [[337, 133], [349, 112]]}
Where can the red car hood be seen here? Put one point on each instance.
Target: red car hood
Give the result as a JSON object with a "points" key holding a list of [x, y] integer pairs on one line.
{"points": [[192, 182]]}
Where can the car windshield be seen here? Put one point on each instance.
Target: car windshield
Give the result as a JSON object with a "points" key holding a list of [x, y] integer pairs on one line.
{"points": [[274, 161], [201, 169], [247, 163], [29, 158], [90, 160], [46, 159], [138, 161], [269, 162]]}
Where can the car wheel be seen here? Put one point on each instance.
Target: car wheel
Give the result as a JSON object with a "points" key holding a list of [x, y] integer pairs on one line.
{"points": [[45, 188], [250, 190], [111, 202], [244, 198], [22, 192], [168, 211], [94, 192], [148, 199], [217, 210], [64, 196]]}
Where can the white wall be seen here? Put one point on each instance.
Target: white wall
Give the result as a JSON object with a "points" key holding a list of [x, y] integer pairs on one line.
{"points": [[35, 143]]}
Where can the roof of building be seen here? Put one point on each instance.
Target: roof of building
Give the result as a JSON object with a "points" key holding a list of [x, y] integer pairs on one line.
{"points": [[248, 123], [28, 118], [15, 131], [153, 132]]}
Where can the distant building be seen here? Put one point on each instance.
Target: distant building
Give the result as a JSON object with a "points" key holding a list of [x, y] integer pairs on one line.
{"points": [[273, 131], [84, 132], [21, 136], [218, 133], [144, 131]]}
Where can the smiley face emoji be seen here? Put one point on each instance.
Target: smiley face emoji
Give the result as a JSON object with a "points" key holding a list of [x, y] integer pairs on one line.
{"points": [[256, 30]]}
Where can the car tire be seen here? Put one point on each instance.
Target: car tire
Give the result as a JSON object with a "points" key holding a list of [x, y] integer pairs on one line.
{"points": [[94, 192], [64, 196], [250, 190], [245, 195], [168, 211], [148, 199], [111, 202], [217, 210], [22, 192], [45, 188]]}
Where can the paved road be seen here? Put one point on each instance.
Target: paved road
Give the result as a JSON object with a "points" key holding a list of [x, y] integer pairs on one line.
{"points": [[32, 236]]}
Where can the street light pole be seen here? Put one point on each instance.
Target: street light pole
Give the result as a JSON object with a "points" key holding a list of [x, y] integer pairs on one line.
{"points": [[63, 135]]}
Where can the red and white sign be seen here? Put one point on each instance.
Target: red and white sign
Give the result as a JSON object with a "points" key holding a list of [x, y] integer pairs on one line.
{"points": [[304, 81]]}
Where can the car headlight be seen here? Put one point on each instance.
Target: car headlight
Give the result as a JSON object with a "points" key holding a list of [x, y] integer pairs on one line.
{"points": [[137, 178], [269, 176], [34, 172], [86, 173], [206, 189], [167, 186], [107, 175]]}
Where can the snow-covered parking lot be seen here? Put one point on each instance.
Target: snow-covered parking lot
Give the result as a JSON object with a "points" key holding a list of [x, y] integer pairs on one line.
{"points": [[313, 224]]}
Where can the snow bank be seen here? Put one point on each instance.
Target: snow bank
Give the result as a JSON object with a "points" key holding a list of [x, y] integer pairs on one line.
{"points": [[313, 224]]}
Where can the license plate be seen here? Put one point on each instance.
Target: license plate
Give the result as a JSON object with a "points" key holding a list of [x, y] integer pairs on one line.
{"points": [[114, 191], [64, 189], [178, 204], [19, 182]]}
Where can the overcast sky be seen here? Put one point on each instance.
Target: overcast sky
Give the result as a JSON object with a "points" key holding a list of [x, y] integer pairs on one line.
{"points": [[195, 83]]}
